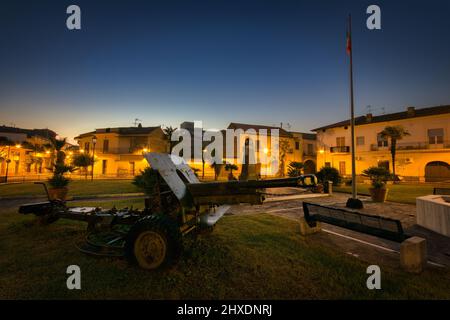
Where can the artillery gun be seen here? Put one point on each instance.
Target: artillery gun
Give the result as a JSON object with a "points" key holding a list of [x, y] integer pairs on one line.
{"points": [[152, 237]]}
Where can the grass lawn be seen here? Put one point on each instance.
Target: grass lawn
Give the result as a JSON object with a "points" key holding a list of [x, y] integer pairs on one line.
{"points": [[397, 193], [76, 188], [246, 257]]}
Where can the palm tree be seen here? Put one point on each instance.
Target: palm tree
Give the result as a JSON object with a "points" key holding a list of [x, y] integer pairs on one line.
{"points": [[4, 144], [36, 148], [84, 161], [230, 167], [216, 168], [394, 133], [57, 145], [168, 131], [295, 169], [284, 149]]}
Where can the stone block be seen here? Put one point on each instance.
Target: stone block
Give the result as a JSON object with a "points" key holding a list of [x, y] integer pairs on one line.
{"points": [[413, 254], [306, 229]]}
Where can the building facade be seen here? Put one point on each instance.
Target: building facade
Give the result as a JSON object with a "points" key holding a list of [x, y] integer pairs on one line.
{"points": [[26, 155], [118, 152], [423, 156], [295, 146]]}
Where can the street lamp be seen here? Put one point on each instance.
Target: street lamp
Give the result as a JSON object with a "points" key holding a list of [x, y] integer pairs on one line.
{"points": [[266, 151], [94, 141], [7, 164], [203, 163]]}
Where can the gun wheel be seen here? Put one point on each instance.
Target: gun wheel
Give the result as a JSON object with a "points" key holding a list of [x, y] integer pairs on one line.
{"points": [[153, 242], [150, 249]]}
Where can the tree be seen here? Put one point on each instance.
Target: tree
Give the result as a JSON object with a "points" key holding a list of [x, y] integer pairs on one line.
{"points": [[36, 148], [284, 148], [295, 169], [216, 168], [329, 174], [5, 143], [59, 168], [168, 131], [57, 145], [84, 161], [230, 167], [394, 133]]}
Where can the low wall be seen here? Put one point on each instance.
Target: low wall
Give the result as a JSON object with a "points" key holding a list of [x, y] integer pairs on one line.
{"points": [[434, 213]]}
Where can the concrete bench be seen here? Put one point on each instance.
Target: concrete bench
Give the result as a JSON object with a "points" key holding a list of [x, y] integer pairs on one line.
{"points": [[413, 250], [441, 191]]}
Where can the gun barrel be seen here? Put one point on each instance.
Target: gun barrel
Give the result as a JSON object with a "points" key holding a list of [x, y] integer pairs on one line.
{"points": [[249, 186]]}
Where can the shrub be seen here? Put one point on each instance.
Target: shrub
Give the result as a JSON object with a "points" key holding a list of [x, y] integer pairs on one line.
{"points": [[329, 174], [146, 180]]}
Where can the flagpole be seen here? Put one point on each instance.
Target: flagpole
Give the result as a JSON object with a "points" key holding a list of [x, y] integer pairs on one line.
{"points": [[352, 203], [352, 111]]}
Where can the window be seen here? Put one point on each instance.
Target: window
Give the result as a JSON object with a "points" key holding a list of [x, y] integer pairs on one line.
{"points": [[105, 146], [327, 165], [382, 142], [310, 148], [297, 145], [86, 147], [342, 168], [360, 141], [104, 166], [436, 136], [340, 141]]}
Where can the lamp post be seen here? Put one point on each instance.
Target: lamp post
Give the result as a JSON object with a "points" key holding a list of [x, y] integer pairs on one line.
{"points": [[266, 151], [94, 141], [203, 163], [7, 164]]}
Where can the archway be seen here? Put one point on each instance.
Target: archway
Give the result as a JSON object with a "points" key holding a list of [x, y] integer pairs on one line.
{"points": [[437, 171], [309, 167]]}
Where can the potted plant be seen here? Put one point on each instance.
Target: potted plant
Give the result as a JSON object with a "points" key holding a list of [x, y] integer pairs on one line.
{"points": [[58, 185], [378, 176]]}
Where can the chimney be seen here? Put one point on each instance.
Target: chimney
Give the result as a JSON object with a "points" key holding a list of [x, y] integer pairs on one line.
{"points": [[368, 117], [188, 125], [411, 111]]}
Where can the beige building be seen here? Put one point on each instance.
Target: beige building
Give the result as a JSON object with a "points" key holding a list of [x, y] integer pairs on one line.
{"points": [[423, 156], [29, 156], [119, 152], [297, 146]]}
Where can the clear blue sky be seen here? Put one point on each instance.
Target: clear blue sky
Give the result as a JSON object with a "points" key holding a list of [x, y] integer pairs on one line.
{"points": [[261, 62]]}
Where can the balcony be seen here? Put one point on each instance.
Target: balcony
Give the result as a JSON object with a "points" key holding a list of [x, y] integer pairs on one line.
{"points": [[418, 145], [340, 149], [121, 150]]}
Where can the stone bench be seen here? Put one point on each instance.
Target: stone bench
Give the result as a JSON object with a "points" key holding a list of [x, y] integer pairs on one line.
{"points": [[413, 250]]}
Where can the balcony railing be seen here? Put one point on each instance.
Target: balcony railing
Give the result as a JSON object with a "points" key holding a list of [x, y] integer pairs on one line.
{"points": [[340, 149], [120, 150], [309, 154], [420, 145]]}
